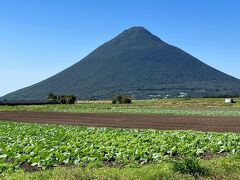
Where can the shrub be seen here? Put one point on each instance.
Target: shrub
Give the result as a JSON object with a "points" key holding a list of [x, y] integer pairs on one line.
{"points": [[52, 96], [114, 101], [118, 99], [70, 99], [122, 99], [190, 166], [126, 100]]}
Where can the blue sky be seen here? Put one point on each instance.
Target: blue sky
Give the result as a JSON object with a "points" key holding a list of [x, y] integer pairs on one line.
{"points": [[39, 38]]}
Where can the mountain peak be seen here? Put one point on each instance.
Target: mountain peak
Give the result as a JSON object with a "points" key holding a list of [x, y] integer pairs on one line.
{"points": [[136, 36], [137, 29]]}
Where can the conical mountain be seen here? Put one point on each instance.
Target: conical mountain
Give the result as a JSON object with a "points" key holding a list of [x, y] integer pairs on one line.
{"points": [[135, 63]]}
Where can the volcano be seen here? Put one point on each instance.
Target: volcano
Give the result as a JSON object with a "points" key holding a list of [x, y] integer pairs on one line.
{"points": [[135, 63]]}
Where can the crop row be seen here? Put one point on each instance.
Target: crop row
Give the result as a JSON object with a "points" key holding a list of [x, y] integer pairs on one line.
{"points": [[108, 108]]}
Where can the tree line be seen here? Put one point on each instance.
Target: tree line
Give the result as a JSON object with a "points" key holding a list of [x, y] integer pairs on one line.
{"points": [[64, 99]]}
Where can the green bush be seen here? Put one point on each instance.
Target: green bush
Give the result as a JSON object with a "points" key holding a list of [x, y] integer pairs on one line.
{"points": [[190, 166], [70, 99], [114, 101], [52, 96], [126, 100], [122, 99]]}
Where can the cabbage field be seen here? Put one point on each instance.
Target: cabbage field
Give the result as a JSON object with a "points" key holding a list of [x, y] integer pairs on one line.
{"points": [[43, 146]]}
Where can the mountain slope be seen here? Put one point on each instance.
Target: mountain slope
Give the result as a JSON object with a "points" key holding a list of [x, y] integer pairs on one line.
{"points": [[135, 63]]}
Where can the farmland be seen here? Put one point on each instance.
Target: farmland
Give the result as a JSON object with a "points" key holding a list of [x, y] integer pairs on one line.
{"points": [[120, 120], [77, 152]]}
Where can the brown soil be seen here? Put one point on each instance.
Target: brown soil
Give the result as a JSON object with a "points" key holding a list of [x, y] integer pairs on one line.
{"points": [[28, 168], [219, 124]]}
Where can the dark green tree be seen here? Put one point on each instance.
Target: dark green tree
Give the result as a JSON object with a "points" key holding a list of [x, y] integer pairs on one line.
{"points": [[122, 99]]}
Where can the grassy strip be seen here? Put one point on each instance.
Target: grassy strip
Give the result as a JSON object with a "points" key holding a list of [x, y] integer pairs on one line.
{"points": [[218, 168], [194, 107]]}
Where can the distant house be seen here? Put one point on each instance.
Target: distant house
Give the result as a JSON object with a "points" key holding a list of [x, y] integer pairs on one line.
{"points": [[182, 95], [167, 96], [229, 101]]}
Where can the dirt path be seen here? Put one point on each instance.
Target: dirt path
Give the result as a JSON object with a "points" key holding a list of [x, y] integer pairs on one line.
{"points": [[220, 124]]}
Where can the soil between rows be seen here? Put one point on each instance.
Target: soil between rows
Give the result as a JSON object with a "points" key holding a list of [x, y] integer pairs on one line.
{"points": [[202, 123]]}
